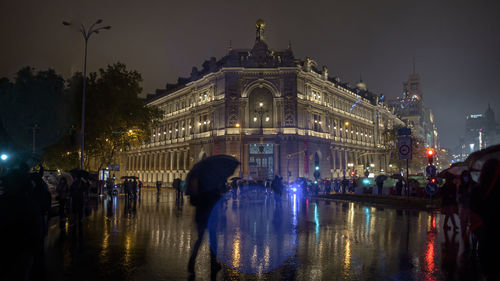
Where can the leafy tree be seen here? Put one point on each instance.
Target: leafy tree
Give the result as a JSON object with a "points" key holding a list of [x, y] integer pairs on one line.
{"points": [[34, 99], [115, 117]]}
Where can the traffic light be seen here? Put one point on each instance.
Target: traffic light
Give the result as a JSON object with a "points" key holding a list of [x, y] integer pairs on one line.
{"points": [[433, 180], [430, 155], [317, 173]]}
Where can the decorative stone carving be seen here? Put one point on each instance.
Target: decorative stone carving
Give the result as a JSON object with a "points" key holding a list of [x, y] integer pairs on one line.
{"points": [[233, 90]]}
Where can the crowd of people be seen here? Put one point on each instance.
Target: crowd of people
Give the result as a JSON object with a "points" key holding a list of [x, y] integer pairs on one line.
{"points": [[476, 206]]}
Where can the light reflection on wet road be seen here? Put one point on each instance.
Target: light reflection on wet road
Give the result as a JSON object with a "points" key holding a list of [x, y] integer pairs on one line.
{"points": [[333, 241]]}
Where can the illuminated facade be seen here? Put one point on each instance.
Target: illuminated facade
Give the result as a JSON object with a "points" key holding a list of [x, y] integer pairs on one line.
{"points": [[410, 108], [277, 114]]}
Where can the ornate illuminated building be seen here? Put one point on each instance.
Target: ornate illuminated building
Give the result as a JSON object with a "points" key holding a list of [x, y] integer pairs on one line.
{"points": [[277, 114], [410, 108]]}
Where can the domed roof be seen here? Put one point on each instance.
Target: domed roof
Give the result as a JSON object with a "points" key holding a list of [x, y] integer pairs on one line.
{"points": [[361, 85]]}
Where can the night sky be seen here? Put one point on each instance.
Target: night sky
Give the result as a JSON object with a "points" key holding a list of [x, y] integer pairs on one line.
{"points": [[456, 44]]}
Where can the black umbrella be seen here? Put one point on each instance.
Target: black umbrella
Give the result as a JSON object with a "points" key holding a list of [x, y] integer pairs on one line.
{"points": [[209, 174], [80, 173], [456, 170]]}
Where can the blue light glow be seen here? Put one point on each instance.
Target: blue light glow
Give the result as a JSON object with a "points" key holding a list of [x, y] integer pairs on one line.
{"points": [[4, 157], [294, 189], [366, 181]]}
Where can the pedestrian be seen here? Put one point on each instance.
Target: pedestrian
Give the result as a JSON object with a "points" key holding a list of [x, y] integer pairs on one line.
{"points": [[449, 202], [176, 184], [354, 184], [41, 201], [277, 188], [134, 186], [489, 208], [204, 203], [345, 184], [77, 198], [379, 181], [328, 186], [126, 189], [21, 227], [62, 190], [463, 200], [158, 186], [399, 187], [336, 185]]}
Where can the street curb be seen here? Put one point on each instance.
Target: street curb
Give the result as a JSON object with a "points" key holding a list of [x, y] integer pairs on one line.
{"points": [[379, 204]]}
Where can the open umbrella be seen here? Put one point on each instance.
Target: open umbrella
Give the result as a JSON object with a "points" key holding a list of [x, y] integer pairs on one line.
{"points": [[209, 174], [67, 176], [477, 159], [80, 173], [455, 169]]}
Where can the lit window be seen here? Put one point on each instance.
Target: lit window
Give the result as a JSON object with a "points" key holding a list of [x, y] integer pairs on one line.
{"points": [[267, 119], [183, 128], [255, 119]]}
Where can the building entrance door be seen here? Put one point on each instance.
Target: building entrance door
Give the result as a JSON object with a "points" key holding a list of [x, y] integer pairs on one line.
{"points": [[261, 161]]}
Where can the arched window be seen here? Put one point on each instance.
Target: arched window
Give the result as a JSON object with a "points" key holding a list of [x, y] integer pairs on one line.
{"points": [[260, 108]]}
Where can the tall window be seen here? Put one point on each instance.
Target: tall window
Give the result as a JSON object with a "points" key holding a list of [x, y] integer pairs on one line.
{"points": [[317, 122], [260, 107]]}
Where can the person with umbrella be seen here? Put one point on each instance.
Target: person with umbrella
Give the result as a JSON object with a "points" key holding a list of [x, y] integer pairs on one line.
{"points": [[379, 181], [62, 190], [205, 185], [345, 184], [448, 201]]}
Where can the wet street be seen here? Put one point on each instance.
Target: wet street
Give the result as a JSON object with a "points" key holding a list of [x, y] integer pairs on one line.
{"points": [[258, 238]]}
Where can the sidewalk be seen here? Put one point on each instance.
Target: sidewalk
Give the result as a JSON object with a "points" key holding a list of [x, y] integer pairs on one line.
{"points": [[384, 200]]}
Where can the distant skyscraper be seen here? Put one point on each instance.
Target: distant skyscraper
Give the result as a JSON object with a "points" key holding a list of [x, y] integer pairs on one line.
{"points": [[481, 131]]}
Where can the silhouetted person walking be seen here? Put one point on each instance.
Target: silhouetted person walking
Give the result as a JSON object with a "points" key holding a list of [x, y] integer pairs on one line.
{"points": [[449, 202], [62, 190]]}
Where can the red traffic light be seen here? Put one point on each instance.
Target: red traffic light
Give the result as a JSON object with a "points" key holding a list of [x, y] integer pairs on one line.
{"points": [[433, 180], [430, 152]]}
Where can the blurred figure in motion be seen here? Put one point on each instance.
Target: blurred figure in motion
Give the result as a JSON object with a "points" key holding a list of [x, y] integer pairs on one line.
{"points": [[77, 191], [158, 186], [336, 185], [24, 203], [463, 200], [328, 186], [489, 210], [62, 190], [206, 183], [126, 189], [345, 184], [399, 187], [176, 184], [449, 202], [135, 187], [276, 186]]}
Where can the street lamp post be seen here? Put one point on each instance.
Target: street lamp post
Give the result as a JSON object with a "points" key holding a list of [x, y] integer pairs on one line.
{"points": [[241, 149], [261, 111], [86, 33]]}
